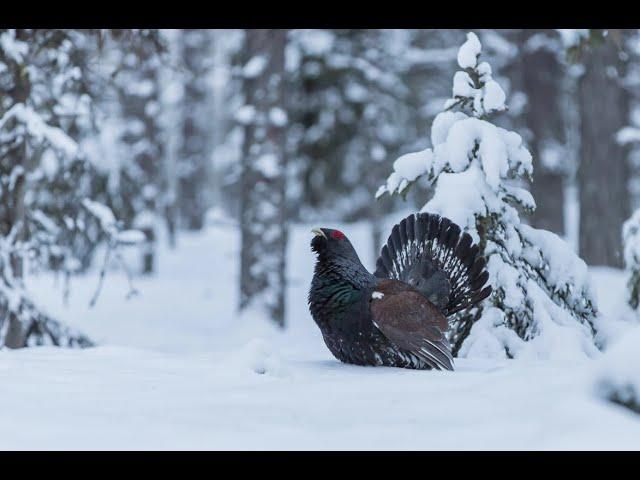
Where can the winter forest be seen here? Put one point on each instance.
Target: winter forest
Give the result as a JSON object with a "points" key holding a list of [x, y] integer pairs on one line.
{"points": [[158, 191]]}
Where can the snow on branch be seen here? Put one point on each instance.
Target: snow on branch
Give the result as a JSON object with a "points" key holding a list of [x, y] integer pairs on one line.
{"points": [[459, 141], [12, 47], [103, 214], [628, 135], [40, 130], [255, 66], [115, 239]]}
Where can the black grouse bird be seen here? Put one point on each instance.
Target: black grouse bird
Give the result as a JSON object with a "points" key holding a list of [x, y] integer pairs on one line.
{"points": [[396, 317]]}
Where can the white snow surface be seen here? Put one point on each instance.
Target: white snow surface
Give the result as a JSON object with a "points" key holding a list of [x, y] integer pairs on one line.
{"points": [[618, 375], [177, 368]]}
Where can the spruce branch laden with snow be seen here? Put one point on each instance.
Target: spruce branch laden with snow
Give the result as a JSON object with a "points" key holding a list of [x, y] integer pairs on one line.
{"points": [[543, 304]]}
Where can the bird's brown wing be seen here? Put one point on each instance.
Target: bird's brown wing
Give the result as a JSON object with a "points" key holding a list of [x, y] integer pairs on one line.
{"points": [[412, 323]]}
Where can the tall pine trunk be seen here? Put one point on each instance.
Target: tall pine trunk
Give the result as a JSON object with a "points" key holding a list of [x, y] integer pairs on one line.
{"points": [[195, 152], [262, 209], [142, 179], [603, 172], [542, 84], [12, 212]]}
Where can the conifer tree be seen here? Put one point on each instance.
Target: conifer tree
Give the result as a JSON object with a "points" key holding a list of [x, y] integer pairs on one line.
{"points": [[542, 304], [48, 219]]}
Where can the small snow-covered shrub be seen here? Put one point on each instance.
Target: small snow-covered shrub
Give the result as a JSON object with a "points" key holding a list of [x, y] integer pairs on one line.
{"points": [[631, 243], [542, 305], [618, 378]]}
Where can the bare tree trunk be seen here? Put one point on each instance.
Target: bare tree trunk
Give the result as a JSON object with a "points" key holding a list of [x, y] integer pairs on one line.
{"points": [[170, 214], [12, 212], [262, 210], [195, 151], [169, 79], [219, 117], [542, 84], [148, 247], [145, 171], [603, 172]]}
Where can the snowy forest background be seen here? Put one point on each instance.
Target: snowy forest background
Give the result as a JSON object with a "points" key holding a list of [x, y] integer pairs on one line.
{"points": [[157, 188]]}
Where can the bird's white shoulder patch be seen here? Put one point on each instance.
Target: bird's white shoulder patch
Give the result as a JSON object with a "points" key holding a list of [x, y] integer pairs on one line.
{"points": [[377, 295]]}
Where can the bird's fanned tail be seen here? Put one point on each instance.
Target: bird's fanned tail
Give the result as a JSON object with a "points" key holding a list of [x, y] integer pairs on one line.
{"points": [[431, 253]]}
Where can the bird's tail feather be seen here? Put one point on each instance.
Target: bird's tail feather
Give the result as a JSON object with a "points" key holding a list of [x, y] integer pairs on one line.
{"points": [[431, 253]]}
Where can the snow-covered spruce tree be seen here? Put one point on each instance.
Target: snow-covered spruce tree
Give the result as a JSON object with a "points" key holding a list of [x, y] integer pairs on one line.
{"points": [[542, 304], [262, 203], [41, 100]]}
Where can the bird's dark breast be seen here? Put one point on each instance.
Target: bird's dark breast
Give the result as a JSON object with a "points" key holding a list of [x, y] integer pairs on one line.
{"points": [[342, 312]]}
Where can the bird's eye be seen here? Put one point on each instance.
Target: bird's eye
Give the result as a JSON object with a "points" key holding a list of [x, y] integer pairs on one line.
{"points": [[337, 234]]}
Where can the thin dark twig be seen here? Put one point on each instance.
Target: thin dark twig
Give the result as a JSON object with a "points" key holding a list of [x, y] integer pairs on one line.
{"points": [[132, 289], [103, 273]]}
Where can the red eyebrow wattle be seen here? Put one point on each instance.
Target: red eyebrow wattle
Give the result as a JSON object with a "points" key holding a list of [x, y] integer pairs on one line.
{"points": [[337, 234]]}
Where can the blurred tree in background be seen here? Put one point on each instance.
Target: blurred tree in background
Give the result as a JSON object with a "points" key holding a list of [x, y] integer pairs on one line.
{"points": [[604, 110], [262, 212], [142, 178], [193, 170], [540, 76], [47, 215]]}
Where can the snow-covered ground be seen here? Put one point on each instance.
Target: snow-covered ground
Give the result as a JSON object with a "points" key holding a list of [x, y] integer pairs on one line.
{"points": [[177, 369]]}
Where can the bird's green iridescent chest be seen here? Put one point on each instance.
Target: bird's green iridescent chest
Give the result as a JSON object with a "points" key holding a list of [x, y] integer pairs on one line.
{"points": [[330, 295]]}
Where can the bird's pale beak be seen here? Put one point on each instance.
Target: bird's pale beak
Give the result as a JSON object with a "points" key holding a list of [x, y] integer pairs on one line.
{"points": [[318, 232]]}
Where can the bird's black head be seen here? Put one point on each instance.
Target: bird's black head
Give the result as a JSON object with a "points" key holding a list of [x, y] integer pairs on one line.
{"points": [[330, 243], [338, 258]]}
